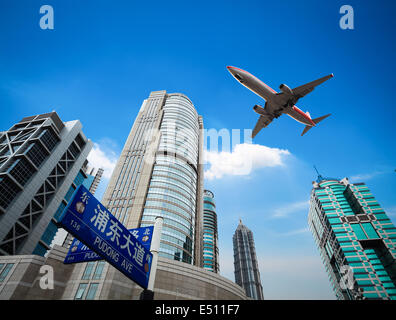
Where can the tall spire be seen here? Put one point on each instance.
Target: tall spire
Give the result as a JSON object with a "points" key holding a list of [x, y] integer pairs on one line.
{"points": [[320, 177]]}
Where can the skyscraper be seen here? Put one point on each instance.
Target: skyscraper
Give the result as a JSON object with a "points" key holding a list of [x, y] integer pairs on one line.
{"points": [[95, 180], [159, 173], [210, 249], [246, 269], [40, 158], [356, 239]]}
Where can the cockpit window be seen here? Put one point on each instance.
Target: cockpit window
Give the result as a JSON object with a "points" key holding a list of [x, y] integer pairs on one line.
{"points": [[238, 77]]}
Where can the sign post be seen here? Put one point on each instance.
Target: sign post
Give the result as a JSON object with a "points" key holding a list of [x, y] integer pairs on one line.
{"points": [[91, 223], [155, 245]]}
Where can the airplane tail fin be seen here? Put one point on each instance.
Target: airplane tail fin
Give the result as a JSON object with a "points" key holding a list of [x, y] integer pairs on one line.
{"points": [[316, 121], [305, 130]]}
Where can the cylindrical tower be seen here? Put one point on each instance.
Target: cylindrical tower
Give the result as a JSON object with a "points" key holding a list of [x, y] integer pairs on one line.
{"points": [[172, 191], [210, 259], [159, 173]]}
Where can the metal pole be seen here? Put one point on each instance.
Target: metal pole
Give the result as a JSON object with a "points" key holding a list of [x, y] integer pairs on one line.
{"points": [[148, 294]]}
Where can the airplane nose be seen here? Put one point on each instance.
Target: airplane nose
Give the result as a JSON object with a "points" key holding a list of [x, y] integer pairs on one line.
{"points": [[236, 73], [231, 70]]}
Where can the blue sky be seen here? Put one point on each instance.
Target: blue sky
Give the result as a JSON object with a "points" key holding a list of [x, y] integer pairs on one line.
{"points": [[104, 57]]}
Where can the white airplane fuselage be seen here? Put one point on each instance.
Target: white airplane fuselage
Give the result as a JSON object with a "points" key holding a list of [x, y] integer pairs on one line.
{"points": [[278, 103]]}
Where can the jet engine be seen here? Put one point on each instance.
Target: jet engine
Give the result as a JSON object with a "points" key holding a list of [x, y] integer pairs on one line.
{"points": [[285, 89], [259, 109]]}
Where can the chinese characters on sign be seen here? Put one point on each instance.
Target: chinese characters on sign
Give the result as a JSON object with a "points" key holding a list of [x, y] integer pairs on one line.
{"points": [[96, 228], [79, 252]]}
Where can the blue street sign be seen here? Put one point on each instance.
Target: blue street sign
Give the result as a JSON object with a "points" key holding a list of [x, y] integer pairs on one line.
{"points": [[91, 223], [79, 252]]}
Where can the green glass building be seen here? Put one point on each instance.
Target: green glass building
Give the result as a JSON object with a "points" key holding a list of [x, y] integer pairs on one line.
{"points": [[210, 249], [356, 239]]}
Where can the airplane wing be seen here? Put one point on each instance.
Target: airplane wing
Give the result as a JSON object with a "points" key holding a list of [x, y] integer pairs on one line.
{"points": [[262, 122], [303, 90]]}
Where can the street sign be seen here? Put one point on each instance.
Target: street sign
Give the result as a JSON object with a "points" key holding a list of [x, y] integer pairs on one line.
{"points": [[91, 223], [79, 252]]}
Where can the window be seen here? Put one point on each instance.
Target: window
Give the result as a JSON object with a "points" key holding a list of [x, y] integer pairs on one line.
{"points": [[92, 291], [80, 291], [238, 77], [74, 150], [49, 139], [49, 233], [79, 179], [59, 212], [80, 141], [357, 229], [8, 191], [88, 270], [5, 271], [69, 193], [371, 233], [98, 270], [21, 170], [36, 153]]}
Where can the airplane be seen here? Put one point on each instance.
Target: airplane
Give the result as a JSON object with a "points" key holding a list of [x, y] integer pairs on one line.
{"points": [[278, 103]]}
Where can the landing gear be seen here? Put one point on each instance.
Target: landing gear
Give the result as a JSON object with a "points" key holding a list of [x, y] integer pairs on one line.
{"points": [[277, 114]]}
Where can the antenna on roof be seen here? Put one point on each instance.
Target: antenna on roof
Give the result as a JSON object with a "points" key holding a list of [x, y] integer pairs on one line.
{"points": [[320, 178]]}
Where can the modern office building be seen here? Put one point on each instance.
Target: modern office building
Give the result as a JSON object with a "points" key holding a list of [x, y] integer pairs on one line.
{"points": [[90, 181], [246, 269], [96, 178], [40, 159], [159, 173], [210, 250], [356, 239]]}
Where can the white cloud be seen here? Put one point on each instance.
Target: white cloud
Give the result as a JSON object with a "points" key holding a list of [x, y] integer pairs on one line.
{"points": [[243, 160], [291, 208], [294, 232], [101, 156], [391, 211], [365, 176]]}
